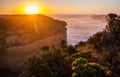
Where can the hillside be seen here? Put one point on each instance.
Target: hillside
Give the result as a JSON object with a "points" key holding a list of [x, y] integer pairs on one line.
{"points": [[19, 38]]}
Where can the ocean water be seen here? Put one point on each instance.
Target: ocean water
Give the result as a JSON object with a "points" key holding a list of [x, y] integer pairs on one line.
{"points": [[80, 27]]}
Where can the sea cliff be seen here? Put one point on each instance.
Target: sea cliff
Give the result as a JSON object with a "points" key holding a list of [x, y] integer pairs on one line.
{"points": [[23, 35]]}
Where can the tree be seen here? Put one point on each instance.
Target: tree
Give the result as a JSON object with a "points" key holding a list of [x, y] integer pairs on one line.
{"points": [[112, 15], [114, 29], [114, 23], [63, 44], [71, 49]]}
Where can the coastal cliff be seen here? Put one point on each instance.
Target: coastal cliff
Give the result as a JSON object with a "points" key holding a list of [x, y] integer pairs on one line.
{"points": [[23, 35], [99, 17]]}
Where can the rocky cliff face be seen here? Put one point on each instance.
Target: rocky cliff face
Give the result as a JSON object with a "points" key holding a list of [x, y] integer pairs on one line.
{"points": [[23, 35]]}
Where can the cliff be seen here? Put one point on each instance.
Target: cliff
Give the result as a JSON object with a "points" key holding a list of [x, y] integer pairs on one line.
{"points": [[23, 35], [99, 17]]}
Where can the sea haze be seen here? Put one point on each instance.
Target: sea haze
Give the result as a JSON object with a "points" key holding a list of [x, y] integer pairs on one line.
{"points": [[80, 27]]}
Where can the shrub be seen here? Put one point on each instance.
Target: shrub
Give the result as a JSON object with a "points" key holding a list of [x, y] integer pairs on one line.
{"points": [[84, 54], [101, 41], [71, 49], [82, 68], [63, 44], [59, 63], [36, 67], [45, 48]]}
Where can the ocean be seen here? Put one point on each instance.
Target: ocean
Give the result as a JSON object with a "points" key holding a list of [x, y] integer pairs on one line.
{"points": [[80, 27]]}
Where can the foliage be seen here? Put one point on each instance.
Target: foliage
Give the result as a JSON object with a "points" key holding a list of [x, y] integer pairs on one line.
{"points": [[84, 54], [108, 42], [109, 39], [98, 40], [83, 68], [36, 67], [114, 24], [112, 15], [54, 63], [59, 63], [81, 43], [45, 48], [63, 44], [71, 49]]}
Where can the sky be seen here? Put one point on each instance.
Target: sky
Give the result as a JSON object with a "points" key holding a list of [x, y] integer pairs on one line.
{"points": [[62, 6]]}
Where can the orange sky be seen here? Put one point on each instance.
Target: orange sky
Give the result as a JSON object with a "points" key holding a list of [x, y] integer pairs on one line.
{"points": [[61, 6]]}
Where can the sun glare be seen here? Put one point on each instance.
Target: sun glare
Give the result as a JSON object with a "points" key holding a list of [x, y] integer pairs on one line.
{"points": [[32, 9]]}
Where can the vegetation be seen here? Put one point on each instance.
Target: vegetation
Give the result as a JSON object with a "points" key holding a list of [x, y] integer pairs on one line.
{"points": [[99, 56], [54, 63], [36, 67], [71, 49], [45, 48], [63, 44], [107, 44], [83, 68]]}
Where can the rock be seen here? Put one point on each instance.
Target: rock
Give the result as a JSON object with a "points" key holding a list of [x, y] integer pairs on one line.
{"points": [[23, 35], [99, 17]]}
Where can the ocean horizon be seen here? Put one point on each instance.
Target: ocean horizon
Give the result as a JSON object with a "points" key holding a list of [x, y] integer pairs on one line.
{"points": [[80, 26]]}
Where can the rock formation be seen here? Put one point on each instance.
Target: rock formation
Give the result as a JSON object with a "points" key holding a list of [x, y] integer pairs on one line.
{"points": [[99, 17], [23, 35]]}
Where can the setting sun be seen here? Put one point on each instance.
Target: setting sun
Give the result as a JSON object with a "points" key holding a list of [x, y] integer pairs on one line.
{"points": [[32, 9]]}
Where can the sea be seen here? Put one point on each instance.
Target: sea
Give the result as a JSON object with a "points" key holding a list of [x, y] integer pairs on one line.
{"points": [[80, 27]]}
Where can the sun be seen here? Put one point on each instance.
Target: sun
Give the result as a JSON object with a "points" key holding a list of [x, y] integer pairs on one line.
{"points": [[32, 9]]}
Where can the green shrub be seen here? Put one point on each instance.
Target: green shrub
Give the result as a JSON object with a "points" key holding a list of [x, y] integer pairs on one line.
{"points": [[36, 67], [59, 63], [101, 41], [84, 54], [82, 68]]}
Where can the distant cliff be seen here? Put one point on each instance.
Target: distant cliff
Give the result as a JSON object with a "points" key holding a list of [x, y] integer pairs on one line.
{"points": [[99, 17], [22, 35]]}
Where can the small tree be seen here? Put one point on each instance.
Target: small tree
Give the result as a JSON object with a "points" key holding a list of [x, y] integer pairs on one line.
{"points": [[71, 49], [112, 15], [114, 23], [63, 44]]}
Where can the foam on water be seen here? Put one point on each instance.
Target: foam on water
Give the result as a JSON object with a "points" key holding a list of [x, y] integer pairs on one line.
{"points": [[80, 27]]}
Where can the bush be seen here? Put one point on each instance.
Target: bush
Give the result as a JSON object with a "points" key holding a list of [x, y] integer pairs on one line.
{"points": [[45, 48], [101, 41], [71, 49], [54, 63], [63, 44], [82, 68], [84, 54], [59, 63], [36, 67]]}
